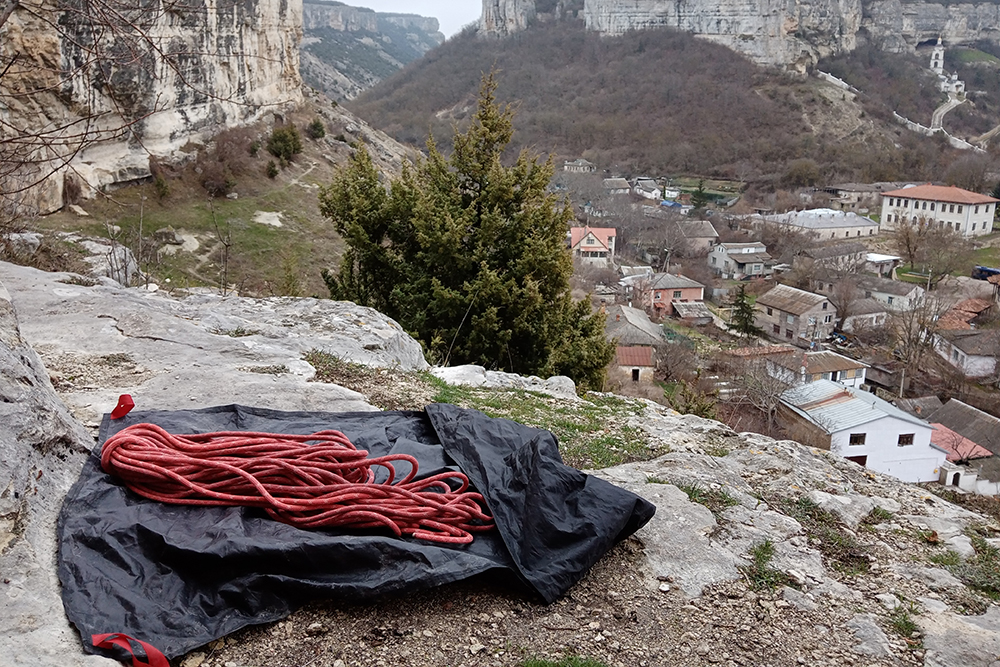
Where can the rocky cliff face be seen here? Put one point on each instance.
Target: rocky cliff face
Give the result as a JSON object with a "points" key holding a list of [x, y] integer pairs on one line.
{"points": [[176, 75], [794, 33], [504, 17], [346, 50]]}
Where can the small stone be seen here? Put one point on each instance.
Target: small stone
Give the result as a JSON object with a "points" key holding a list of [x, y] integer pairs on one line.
{"points": [[428, 633], [316, 629], [476, 648], [193, 660], [664, 588], [339, 663]]}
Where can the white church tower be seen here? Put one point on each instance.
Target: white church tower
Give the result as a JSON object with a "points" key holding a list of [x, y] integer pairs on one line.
{"points": [[937, 58]]}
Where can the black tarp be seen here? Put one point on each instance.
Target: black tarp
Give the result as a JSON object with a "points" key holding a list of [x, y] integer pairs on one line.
{"points": [[180, 576]]}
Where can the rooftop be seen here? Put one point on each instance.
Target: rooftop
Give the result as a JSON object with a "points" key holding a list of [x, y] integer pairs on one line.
{"points": [[672, 281], [976, 425], [634, 356], [762, 351], [838, 250], [820, 362], [887, 285], [834, 407], [821, 218], [959, 447], [790, 299], [978, 342], [877, 257], [616, 183], [692, 310], [632, 326], [750, 257], [923, 407], [945, 193]]}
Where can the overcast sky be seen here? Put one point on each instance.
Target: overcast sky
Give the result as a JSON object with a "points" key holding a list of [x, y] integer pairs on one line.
{"points": [[451, 14]]}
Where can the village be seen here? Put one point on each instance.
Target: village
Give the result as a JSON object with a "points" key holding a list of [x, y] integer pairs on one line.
{"points": [[857, 322]]}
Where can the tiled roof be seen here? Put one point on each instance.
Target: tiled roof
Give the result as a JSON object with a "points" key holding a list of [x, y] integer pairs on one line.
{"points": [[923, 407], [834, 407], [822, 218], [634, 356], [791, 300], [821, 362], [692, 310], [976, 425], [750, 257], [762, 351], [959, 447], [887, 285], [949, 194]]}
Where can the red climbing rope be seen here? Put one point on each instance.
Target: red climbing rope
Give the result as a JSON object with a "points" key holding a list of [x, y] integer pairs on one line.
{"points": [[311, 481]]}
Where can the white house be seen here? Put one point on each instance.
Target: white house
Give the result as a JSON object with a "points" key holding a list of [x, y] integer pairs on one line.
{"points": [[968, 213], [804, 367], [974, 352], [616, 186], [647, 188], [863, 428], [736, 260], [593, 245], [579, 166]]}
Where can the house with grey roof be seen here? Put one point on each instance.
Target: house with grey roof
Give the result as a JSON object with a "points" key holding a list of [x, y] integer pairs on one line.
{"points": [[631, 327], [974, 352], [579, 166], [617, 186], [895, 295], [839, 257], [735, 261], [862, 428], [647, 188], [826, 223], [792, 315], [659, 294]]}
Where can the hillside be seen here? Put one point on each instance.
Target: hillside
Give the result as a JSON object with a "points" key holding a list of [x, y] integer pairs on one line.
{"points": [[656, 101], [346, 50]]}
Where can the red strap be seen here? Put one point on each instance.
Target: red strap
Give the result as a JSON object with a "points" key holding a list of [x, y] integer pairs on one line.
{"points": [[125, 405], [155, 658]]}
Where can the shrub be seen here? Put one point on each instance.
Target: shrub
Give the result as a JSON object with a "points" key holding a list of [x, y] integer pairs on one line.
{"points": [[272, 169], [284, 142], [217, 179], [161, 187], [316, 129]]}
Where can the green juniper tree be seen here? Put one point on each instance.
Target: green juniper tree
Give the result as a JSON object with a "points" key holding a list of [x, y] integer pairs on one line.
{"points": [[744, 315], [468, 255]]}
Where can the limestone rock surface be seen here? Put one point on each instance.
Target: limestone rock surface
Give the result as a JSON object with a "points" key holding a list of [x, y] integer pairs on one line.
{"points": [[41, 451], [102, 341]]}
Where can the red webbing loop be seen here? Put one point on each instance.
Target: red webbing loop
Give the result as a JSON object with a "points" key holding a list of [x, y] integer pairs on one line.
{"points": [[310, 481], [153, 657]]}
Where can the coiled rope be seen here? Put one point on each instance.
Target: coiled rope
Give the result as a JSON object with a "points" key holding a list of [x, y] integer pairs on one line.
{"points": [[310, 481]]}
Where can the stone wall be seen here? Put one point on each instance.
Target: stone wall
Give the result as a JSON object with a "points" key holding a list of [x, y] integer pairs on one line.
{"points": [[182, 75]]}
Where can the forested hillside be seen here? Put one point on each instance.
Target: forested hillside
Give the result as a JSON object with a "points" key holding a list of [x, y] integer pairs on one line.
{"points": [[657, 101]]}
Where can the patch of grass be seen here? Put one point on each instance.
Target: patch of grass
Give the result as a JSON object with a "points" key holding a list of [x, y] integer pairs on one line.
{"points": [[947, 559], [565, 662], [840, 549], [385, 388], [715, 500], [759, 574], [117, 359], [238, 332], [902, 623], [877, 516], [716, 450], [974, 56], [982, 571]]}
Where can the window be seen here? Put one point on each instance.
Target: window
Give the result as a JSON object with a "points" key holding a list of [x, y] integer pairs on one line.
{"points": [[825, 304], [770, 312], [677, 294], [812, 321], [977, 210], [776, 328], [713, 261], [960, 208], [788, 333], [657, 296], [827, 319], [932, 206], [858, 438], [973, 226], [905, 439], [924, 207], [635, 375], [906, 203], [790, 319], [951, 208], [890, 300]]}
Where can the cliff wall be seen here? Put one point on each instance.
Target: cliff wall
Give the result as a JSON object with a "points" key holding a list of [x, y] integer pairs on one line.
{"points": [[359, 19], [793, 33], [108, 99]]}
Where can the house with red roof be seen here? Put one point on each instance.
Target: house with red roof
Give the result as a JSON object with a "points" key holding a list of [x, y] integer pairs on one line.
{"points": [[633, 365], [968, 213], [593, 245], [959, 447]]}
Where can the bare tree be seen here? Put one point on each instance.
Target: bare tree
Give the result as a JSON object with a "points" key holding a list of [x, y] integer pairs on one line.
{"points": [[752, 384], [913, 330], [845, 295], [909, 237], [945, 252]]}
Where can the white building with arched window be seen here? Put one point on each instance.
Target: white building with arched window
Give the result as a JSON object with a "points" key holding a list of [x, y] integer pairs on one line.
{"points": [[968, 213]]}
